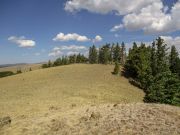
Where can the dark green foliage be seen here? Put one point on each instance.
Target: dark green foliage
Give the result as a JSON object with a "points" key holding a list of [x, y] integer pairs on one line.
{"points": [[44, 66], [104, 54], [30, 69], [161, 54], [73, 59], [6, 73], [116, 68], [117, 53], [107, 54], [93, 55], [149, 68], [65, 60], [123, 54], [50, 64], [165, 89], [81, 59], [58, 62], [174, 61], [19, 71]]}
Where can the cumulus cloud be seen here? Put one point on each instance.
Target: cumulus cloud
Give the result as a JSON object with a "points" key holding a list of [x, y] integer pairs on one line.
{"points": [[55, 53], [120, 7], [172, 41], [70, 36], [22, 41], [151, 16], [97, 39], [152, 19], [68, 50], [72, 53]]}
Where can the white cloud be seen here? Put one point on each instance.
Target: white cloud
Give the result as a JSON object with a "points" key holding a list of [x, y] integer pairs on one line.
{"points": [[172, 41], [153, 19], [120, 7], [72, 53], [73, 47], [68, 50], [150, 16], [70, 36], [97, 39], [55, 53], [116, 28], [22, 41]]}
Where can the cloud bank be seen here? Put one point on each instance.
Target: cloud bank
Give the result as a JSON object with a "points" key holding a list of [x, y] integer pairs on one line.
{"points": [[70, 37], [68, 50], [150, 16]]}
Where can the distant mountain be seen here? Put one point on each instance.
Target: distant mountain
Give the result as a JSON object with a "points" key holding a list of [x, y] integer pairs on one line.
{"points": [[10, 65]]}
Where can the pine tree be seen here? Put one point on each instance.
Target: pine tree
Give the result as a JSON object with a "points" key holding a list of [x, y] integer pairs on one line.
{"points": [[49, 63], [104, 54], [162, 58], [72, 59], [116, 68], [174, 60], [153, 59], [117, 53], [123, 53], [93, 56], [78, 60]]}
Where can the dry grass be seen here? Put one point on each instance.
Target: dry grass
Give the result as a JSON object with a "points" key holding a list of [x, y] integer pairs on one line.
{"points": [[34, 92], [24, 67], [106, 119], [80, 99]]}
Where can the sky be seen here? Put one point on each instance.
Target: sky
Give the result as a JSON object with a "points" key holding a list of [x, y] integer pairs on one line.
{"points": [[33, 31]]}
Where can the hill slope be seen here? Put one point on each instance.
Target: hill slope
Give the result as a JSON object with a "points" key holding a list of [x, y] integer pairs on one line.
{"points": [[106, 119], [80, 99], [79, 84]]}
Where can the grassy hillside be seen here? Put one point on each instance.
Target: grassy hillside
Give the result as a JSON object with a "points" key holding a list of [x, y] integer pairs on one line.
{"points": [[23, 67], [80, 99], [34, 92]]}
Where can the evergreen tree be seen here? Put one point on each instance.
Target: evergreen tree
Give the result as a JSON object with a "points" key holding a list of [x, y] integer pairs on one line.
{"points": [[104, 54], [19, 71], [117, 53], [174, 61], [116, 68], [44, 66], [123, 53], [50, 64], [58, 62], [165, 89], [161, 54], [72, 59], [153, 59], [79, 57], [93, 56]]}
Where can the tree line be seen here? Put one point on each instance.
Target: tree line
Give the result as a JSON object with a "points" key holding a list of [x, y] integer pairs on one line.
{"points": [[65, 60], [156, 70], [108, 54]]}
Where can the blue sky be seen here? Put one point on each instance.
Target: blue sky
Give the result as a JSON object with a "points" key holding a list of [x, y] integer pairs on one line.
{"points": [[28, 27]]}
